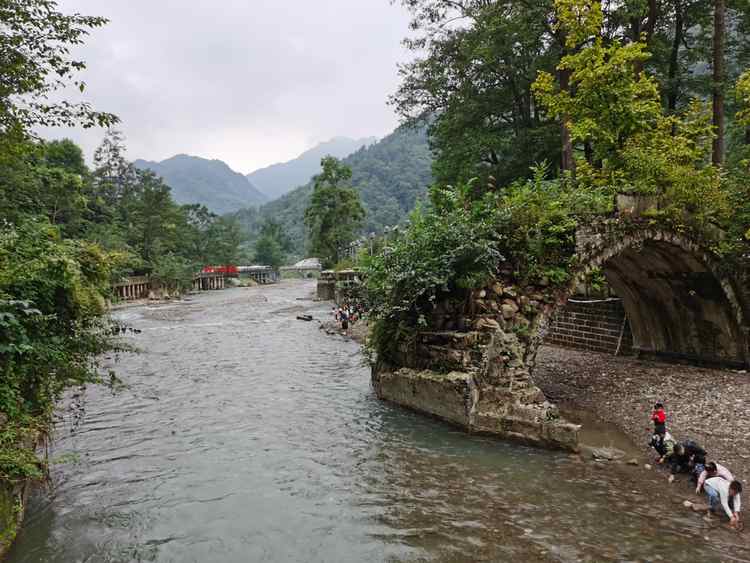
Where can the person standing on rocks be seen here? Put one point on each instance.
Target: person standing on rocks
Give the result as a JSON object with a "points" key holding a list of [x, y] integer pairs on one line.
{"points": [[726, 494], [659, 417], [712, 470]]}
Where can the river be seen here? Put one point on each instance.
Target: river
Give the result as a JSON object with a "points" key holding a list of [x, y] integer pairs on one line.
{"points": [[244, 434]]}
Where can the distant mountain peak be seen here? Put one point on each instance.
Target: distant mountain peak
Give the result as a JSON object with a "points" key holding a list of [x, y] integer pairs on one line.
{"points": [[210, 182], [279, 179]]}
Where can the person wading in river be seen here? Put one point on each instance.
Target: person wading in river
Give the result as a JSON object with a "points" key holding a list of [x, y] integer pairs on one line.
{"points": [[344, 320], [726, 494]]}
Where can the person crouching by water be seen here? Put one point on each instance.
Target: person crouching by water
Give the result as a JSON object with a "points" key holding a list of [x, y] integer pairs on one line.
{"points": [[684, 457], [712, 470], [664, 445], [727, 494]]}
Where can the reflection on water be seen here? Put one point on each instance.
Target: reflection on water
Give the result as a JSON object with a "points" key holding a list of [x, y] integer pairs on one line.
{"points": [[247, 435]]}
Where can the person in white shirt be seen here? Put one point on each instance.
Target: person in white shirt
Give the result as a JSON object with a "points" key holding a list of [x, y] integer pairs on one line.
{"points": [[713, 469], [726, 493]]}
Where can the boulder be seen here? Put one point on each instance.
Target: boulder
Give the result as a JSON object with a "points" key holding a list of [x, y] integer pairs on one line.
{"points": [[487, 324], [607, 454], [509, 310]]}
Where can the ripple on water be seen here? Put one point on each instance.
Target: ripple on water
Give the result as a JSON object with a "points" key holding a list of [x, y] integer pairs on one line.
{"points": [[246, 435]]}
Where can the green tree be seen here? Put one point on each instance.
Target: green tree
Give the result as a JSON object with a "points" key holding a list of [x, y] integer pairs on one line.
{"points": [[335, 213], [115, 177], [196, 239], [151, 217], [615, 109], [272, 246], [35, 61], [52, 298], [225, 238]]}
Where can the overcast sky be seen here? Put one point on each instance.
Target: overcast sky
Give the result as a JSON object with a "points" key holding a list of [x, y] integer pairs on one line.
{"points": [[250, 82]]}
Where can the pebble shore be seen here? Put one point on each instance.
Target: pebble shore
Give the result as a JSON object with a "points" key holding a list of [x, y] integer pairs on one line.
{"points": [[711, 406]]}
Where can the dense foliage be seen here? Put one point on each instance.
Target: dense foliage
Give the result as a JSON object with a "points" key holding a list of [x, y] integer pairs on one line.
{"points": [[335, 213], [464, 238], [627, 136], [68, 232], [476, 63], [272, 246]]}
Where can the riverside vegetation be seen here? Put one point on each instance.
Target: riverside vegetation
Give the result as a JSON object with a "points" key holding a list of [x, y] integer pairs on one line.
{"points": [[599, 90], [538, 114], [67, 232]]}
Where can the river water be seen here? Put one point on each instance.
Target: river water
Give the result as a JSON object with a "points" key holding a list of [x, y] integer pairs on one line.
{"points": [[244, 434]]}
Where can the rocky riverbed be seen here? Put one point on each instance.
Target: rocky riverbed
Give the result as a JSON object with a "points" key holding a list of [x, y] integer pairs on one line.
{"points": [[710, 406]]}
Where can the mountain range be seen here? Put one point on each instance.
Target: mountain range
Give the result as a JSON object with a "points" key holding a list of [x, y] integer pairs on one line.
{"points": [[210, 182], [214, 184], [390, 176], [279, 179]]}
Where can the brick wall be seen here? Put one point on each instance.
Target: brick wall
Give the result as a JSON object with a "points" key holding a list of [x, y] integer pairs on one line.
{"points": [[593, 325]]}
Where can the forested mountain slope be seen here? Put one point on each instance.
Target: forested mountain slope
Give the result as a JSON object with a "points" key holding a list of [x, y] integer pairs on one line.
{"points": [[209, 182], [390, 176], [279, 179]]}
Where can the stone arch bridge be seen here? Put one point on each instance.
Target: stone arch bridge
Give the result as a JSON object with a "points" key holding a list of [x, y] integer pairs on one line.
{"points": [[474, 365]]}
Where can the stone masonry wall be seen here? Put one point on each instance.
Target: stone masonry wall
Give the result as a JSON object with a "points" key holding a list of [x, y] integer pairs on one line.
{"points": [[472, 366], [593, 325]]}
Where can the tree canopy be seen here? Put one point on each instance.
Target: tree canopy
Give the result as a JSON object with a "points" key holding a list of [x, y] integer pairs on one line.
{"points": [[335, 212]]}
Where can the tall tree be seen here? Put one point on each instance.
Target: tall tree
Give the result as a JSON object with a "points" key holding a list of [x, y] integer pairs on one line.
{"points": [[114, 176], [273, 245], [472, 79], [151, 217], [718, 86], [35, 62], [335, 213]]}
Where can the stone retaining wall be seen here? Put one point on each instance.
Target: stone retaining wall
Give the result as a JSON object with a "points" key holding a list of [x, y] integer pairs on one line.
{"points": [[471, 367], [12, 504], [593, 325]]}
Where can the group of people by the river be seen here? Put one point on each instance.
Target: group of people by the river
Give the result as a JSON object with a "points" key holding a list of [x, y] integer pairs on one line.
{"points": [[710, 477], [348, 314]]}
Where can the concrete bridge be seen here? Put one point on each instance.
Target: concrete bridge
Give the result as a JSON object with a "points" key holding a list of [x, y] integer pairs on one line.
{"points": [[474, 363], [144, 287]]}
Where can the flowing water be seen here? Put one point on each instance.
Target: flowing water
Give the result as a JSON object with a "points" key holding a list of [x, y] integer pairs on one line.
{"points": [[245, 434]]}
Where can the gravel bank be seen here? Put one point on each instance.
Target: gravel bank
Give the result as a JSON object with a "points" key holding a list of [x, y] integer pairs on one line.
{"points": [[708, 405]]}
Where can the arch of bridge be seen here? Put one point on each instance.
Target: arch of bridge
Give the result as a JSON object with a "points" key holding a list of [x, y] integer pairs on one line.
{"points": [[680, 299]]}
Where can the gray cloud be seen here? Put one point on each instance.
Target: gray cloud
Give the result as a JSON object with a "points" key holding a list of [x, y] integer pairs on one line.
{"points": [[250, 82]]}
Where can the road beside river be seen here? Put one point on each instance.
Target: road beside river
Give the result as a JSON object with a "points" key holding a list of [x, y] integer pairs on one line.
{"points": [[244, 434]]}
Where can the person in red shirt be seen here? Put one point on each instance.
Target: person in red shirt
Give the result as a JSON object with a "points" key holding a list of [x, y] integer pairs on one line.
{"points": [[659, 417]]}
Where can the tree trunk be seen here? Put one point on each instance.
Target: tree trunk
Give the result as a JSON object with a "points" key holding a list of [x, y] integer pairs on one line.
{"points": [[674, 57], [588, 151], [718, 82], [653, 12], [567, 162]]}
